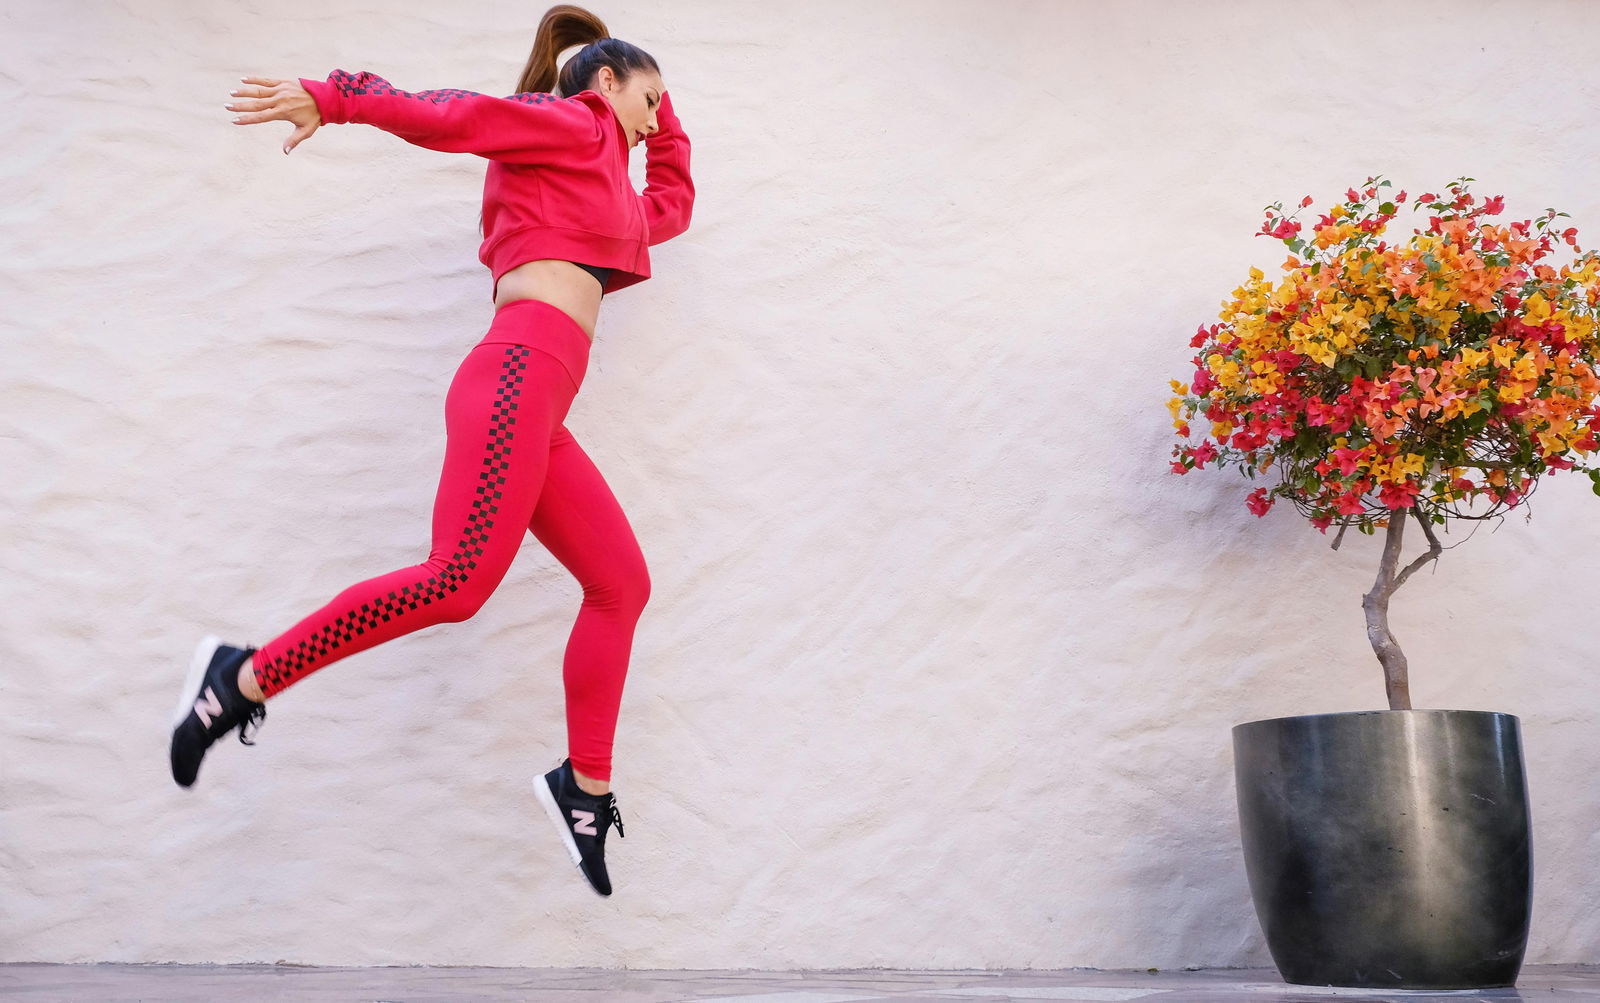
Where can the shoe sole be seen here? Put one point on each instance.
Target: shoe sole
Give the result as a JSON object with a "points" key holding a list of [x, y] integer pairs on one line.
{"points": [[541, 790], [203, 653]]}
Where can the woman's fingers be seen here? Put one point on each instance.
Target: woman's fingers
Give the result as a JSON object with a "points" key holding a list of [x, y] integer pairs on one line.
{"points": [[267, 108], [255, 94], [251, 112], [301, 133]]}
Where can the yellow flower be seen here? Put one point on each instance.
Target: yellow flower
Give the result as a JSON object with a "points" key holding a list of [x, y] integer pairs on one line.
{"points": [[1538, 310], [1320, 353]]}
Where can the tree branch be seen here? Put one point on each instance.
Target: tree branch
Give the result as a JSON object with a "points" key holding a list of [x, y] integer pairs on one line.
{"points": [[1434, 550], [1344, 524]]}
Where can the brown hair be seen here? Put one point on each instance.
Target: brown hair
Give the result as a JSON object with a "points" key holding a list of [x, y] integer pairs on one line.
{"points": [[564, 26]]}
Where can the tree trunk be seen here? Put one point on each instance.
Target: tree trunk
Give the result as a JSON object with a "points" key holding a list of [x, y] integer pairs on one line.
{"points": [[1396, 676]]}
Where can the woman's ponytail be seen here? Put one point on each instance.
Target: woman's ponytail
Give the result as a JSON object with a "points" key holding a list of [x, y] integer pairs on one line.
{"points": [[562, 27]]}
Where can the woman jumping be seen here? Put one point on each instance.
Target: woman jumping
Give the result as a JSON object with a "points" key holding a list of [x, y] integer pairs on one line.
{"points": [[562, 225]]}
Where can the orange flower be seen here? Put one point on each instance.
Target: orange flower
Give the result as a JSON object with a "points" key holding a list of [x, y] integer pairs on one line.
{"points": [[1457, 230]]}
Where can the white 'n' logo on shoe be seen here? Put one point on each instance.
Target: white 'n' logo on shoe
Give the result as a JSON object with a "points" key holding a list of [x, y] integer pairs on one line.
{"points": [[585, 822], [212, 707]]}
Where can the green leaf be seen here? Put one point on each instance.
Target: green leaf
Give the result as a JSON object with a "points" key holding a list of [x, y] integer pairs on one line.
{"points": [[1387, 208]]}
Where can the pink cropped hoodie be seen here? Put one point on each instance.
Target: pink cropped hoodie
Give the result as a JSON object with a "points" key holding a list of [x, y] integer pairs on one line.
{"points": [[557, 182]]}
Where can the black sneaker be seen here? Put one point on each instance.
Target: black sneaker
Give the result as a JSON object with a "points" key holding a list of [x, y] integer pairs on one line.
{"points": [[583, 820], [210, 706]]}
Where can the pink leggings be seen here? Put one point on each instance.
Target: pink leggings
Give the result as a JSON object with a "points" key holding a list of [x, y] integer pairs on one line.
{"points": [[509, 465]]}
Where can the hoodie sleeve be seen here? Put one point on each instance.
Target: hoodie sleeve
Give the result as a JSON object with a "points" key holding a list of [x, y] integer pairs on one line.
{"points": [[524, 128], [668, 190]]}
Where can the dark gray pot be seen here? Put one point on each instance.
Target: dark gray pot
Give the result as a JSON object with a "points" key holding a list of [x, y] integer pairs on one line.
{"points": [[1388, 848]]}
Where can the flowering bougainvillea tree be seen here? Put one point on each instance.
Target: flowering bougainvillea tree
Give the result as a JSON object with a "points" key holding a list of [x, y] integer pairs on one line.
{"points": [[1441, 376]]}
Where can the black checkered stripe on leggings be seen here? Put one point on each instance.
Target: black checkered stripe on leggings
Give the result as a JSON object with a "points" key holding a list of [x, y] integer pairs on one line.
{"points": [[492, 479]]}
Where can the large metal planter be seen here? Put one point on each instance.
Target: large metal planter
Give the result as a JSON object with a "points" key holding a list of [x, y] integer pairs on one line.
{"points": [[1388, 848]]}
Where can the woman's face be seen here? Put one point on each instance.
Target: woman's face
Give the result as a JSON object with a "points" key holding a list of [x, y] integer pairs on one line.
{"points": [[634, 101]]}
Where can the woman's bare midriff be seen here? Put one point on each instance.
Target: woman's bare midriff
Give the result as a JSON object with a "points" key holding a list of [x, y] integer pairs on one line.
{"points": [[562, 284]]}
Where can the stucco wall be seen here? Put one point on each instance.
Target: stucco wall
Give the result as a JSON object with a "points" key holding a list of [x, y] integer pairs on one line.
{"points": [[941, 663]]}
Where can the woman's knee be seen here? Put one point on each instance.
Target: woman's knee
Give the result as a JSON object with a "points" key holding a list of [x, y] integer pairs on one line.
{"points": [[641, 588], [461, 598], [626, 589]]}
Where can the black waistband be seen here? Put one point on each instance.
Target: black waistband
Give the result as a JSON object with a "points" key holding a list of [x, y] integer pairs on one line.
{"points": [[602, 274]]}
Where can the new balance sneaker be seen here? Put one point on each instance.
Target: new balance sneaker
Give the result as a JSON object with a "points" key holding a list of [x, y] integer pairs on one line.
{"points": [[583, 820], [210, 706]]}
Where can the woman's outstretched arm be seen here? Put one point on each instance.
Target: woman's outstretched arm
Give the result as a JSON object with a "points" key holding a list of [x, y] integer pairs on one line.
{"points": [[523, 128], [668, 190]]}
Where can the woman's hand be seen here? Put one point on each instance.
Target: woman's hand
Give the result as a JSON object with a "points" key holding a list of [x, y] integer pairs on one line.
{"points": [[262, 99]]}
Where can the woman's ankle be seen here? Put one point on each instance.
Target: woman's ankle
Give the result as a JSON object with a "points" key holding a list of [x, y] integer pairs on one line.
{"points": [[247, 681], [589, 785]]}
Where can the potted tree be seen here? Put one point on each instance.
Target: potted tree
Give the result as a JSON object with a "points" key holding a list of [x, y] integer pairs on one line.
{"points": [[1430, 381]]}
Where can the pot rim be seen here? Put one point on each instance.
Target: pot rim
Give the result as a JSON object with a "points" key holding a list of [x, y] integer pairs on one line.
{"points": [[1429, 711]]}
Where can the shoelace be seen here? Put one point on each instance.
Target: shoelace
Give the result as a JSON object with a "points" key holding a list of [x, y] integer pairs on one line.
{"points": [[255, 715], [616, 815]]}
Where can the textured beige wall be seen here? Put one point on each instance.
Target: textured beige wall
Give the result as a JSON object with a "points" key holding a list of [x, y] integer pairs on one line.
{"points": [[941, 663]]}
